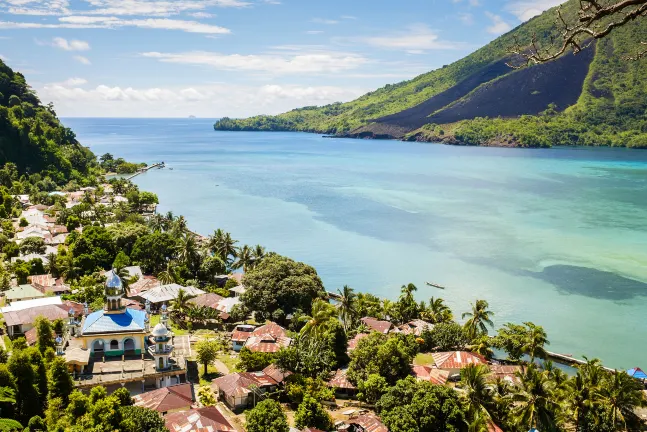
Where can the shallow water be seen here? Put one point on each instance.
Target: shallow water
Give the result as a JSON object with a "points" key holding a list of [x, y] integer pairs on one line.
{"points": [[557, 237]]}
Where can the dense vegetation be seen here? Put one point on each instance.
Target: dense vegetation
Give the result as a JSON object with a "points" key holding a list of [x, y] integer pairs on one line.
{"points": [[34, 139], [610, 110]]}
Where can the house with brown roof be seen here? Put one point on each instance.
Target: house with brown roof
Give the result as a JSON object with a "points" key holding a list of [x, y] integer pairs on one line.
{"points": [[275, 372], [506, 372], [415, 327], [270, 338], [240, 335], [213, 301], [341, 385], [21, 321], [48, 284], [454, 361], [242, 389], [368, 422], [179, 397], [142, 285], [207, 419], [431, 374], [377, 325]]}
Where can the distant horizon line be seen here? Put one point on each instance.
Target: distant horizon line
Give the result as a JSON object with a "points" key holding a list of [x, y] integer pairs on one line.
{"points": [[141, 118]]}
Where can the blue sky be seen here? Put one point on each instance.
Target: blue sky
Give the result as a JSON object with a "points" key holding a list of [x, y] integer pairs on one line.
{"points": [[211, 58]]}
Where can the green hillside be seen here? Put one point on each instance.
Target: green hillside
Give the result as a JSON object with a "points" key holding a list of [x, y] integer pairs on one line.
{"points": [[32, 137], [596, 99]]}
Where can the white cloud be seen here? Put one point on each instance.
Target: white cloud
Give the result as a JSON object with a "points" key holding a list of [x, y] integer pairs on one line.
{"points": [[419, 37], [119, 7], [315, 62], [86, 22], [466, 18], [202, 100], [524, 9], [201, 15], [475, 3], [72, 82], [82, 60], [67, 45], [499, 26], [313, 32], [3, 58], [324, 21], [348, 17]]}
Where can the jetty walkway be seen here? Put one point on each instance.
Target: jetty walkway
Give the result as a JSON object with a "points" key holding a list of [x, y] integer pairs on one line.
{"points": [[159, 165]]}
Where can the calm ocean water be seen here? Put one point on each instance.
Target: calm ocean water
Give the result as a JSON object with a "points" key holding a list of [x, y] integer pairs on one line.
{"points": [[557, 237]]}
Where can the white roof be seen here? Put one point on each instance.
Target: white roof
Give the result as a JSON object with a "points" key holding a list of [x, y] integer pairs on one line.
{"points": [[34, 216], [26, 304], [134, 271], [226, 304], [166, 293]]}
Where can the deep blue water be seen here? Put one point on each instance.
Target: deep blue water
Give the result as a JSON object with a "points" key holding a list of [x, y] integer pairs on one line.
{"points": [[557, 236]]}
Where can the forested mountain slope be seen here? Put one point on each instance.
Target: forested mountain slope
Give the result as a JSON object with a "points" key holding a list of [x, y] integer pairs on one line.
{"points": [[32, 137], [595, 98]]}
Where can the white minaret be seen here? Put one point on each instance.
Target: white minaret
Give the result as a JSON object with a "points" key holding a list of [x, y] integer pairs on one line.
{"points": [[59, 346], [161, 350], [71, 322], [164, 317], [114, 293]]}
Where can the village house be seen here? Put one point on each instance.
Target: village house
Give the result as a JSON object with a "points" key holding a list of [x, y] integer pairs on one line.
{"points": [[239, 336], [48, 284], [179, 397], [352, 344], [367, 422], [506, 372], [213, 301], [431, 374], [275, 372], [415, 327], [22, 293], [243, 389], [165, 293], [454, 361], [141, 285], [269, 338], [342, 387], [377, 325], [207, 419], [19, 322]]}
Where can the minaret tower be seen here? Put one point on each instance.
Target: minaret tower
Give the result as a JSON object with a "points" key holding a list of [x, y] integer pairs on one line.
{"points": [[114, 293]]}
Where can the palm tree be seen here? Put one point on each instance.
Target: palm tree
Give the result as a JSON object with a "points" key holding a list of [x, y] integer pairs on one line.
{"points": [[245, 258], [322, 313], [534, 341], [181, 302], [478, 393], [479, 318], [536, 405], [180, 226], [621, 395], [187, 251], [259, 253], [221, 244], [438, 312], [166, 277], [346, 306], [125, 278], [52, 266], [482, 345], [156, 222]]}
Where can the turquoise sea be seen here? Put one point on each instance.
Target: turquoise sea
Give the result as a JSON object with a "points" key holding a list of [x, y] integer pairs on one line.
{"points": [[557, 236]]}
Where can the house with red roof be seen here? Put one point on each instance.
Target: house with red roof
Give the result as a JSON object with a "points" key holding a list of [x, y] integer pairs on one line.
{"points": [[270, 338], [352, 344], [207, 419], [454, 361], [431, 374], [415, 327], [179, 397], [341, 385], [240, 335], [377, 325]]}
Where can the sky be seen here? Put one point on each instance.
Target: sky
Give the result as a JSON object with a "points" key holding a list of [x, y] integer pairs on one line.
{"points": [[237, 58]]}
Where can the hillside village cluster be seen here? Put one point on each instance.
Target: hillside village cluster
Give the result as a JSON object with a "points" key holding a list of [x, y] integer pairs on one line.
{"points": [[132, 342]]}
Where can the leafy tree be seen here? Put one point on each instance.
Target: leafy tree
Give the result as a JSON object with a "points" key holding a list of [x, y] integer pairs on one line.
{"points": [[135, 419], [312, 414], [536, 402], [121, 260], [388, 357], [59, 381], [10, 425], [206, 396], [23, 222], [372, 388], [446, 337], [32, 245], [297, 387], [153, 251], [254, 361], [267, 416], [93, 249], [44, 334], [281, 284], [517, 340], [323, 313], [346, 305], [478, 393], [310, 357], [11, 250], [368, 305], [207, 351], [72, 223], [421, 406], [28, 402]]}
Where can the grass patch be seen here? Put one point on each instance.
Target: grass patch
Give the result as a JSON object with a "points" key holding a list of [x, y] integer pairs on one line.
{"points": [[155, 319], [7, 342], [423, 359], [229, 361]]}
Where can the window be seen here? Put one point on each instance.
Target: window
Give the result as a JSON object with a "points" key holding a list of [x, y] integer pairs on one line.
{"points": [[114, 345]]}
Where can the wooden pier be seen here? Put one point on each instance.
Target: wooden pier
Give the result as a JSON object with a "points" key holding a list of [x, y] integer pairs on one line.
{"points": [[159, 165]]}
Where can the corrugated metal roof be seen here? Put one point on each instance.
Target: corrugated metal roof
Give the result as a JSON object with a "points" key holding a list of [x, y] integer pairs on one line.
{"points": [[166, 293], [129, 321], [456, 359]]}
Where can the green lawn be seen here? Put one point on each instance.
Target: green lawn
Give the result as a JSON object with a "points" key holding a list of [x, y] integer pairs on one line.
{"points": [[423, 359], [155, 319]]}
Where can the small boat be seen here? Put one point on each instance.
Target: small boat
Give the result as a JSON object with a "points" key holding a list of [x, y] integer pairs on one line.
{"points": [[435, 285]]}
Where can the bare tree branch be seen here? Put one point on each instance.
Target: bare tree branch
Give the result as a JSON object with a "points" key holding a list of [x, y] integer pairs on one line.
{"points": [[596, 20]]}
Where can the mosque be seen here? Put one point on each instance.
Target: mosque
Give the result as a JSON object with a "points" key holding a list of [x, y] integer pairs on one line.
{"points": [[116, 347]]}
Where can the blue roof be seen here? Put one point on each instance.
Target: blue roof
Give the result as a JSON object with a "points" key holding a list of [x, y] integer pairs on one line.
{"points": [[637, 373], [132, 320]]}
